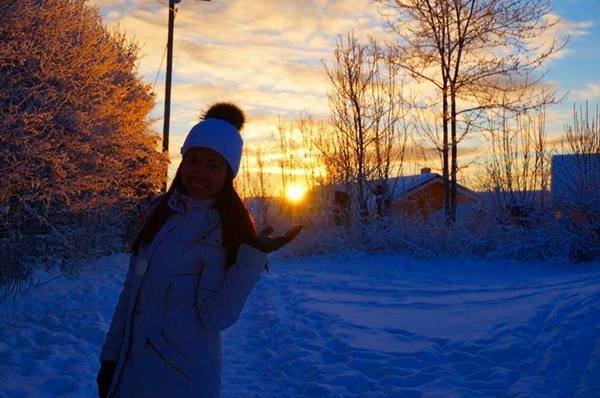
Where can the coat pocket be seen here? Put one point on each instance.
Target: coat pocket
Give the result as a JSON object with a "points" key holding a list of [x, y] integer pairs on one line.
{"points": [[167, 354], [182, 283]]}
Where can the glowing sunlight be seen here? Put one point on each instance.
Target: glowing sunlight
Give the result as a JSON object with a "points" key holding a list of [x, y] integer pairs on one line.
{"points": [[295, 193]]}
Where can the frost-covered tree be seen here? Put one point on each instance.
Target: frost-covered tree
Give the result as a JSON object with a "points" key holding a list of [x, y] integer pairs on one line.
{"points": [[76, 149]]}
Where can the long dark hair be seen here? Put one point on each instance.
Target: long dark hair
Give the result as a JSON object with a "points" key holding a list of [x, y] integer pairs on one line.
{"points": [[236, 222]]}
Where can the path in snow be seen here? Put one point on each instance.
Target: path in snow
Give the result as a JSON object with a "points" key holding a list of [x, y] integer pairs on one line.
{"points": [[344, 326]]}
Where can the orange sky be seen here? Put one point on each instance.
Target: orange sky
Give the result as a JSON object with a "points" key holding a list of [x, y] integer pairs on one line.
{"points": [[267, 56]]}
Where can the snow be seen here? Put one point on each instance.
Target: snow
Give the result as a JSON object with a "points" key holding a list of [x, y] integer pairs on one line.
{"points": [[343, 326], [402, 184]]}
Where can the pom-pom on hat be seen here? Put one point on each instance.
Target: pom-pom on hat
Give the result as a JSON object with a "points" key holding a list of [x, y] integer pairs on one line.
{"points": [[219, 131], [226, 111]]}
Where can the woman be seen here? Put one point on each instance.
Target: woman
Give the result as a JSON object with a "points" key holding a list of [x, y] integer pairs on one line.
{"points": [[193, 264]]}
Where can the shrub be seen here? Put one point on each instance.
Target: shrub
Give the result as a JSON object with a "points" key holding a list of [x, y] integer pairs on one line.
{"points": [[76, 148]]}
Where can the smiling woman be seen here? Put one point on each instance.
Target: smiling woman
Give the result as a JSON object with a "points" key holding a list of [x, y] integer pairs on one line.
{"points": [[193, 265]]}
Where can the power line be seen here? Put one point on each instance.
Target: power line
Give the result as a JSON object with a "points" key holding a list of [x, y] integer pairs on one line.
{"points": [[160, 67], [166, 47]]}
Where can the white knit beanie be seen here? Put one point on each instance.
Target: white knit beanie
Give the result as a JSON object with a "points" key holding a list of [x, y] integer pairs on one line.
{"points": [[220, 136]]}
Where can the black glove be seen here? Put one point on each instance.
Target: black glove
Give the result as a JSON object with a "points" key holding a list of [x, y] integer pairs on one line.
{"points": [[105, 376], [268, 243]]}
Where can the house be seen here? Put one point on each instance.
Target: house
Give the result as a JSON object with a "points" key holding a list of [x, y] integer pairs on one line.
{"points": [[413, 195], [423, 194]]}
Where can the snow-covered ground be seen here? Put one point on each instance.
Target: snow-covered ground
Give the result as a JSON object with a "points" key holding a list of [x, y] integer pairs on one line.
{"points": [[351, 325]]}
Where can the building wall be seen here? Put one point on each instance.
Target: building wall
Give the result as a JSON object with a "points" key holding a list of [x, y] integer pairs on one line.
{"points": [[426, 200], [575, 180]]}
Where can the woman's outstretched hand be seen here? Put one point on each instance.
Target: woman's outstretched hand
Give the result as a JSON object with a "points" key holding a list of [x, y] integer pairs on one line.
{"points": [[266, 242]]}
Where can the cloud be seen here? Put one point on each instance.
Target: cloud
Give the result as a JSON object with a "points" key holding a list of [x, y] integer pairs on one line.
{"points": [[103, 4], [591, 92], [559, 31]]}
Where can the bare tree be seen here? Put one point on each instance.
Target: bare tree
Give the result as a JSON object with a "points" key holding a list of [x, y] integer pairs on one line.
{"points": [[254, 183], [392, 130], [478, 55], [264, 189], [310, 131], [352, 74], [366, 107], [335, 157], [576, 176], [576, 182], [286, 154], [244, 185], [518, 166], [583, 137]]}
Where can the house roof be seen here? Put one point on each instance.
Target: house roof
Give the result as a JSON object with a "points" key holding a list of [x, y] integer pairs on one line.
{"points": [[407, 185], [402, 184]]}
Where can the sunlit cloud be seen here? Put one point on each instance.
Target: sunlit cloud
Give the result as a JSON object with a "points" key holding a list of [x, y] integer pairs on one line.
{"points": [[268, 57], [102, 4]]}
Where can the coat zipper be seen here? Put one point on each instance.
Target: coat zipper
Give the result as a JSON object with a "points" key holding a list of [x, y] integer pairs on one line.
{"points": [[165, 359]]}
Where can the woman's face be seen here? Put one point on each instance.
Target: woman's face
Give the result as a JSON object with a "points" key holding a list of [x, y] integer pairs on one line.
{"points": [[203, 173]]}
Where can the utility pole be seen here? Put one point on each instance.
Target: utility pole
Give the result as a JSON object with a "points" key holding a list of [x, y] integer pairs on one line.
{"points": [[169, 75], [165, 143]]}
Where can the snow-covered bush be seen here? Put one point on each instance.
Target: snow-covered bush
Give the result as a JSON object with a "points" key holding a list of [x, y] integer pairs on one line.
{"points": [[482, 231], [576, 183], [76, 149]]}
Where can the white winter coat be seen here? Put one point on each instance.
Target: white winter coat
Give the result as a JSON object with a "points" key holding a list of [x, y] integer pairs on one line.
{"points": [[176, 299]]}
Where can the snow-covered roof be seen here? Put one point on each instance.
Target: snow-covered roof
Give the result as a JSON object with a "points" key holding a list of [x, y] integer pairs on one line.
{"points": [[402, 184]]}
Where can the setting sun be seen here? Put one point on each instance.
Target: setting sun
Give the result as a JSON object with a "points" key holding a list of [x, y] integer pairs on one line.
{"points": [[295, 193]]}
